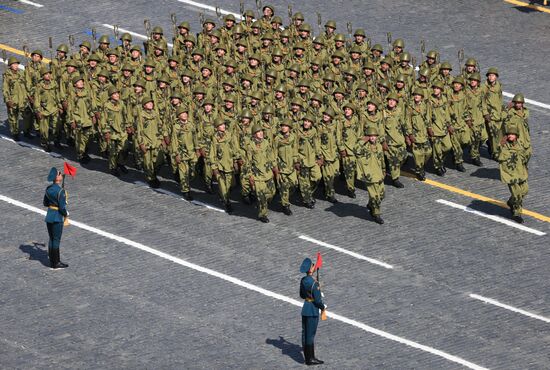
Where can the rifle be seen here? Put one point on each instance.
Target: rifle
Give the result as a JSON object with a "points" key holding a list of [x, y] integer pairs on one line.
{"points": [[259, 7], [389, 37], [319, 21], [94, 37], [241, 8], [289, 14], [115, 31], [460, 55], [50, 45], [422, 48], [71, 41], [174, 26], [349, 26]]}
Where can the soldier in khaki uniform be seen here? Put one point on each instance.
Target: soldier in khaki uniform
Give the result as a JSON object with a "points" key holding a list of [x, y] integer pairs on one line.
{"points": [[115, 128], [370, 163], [513, 170], [14, 92], [438, 128], [81, 114], [394, 144], [492, 91], [262, 169], [285, 145], [32, 78], [311, 160], [329, 151], [418, 116], [47, 107], [184, 149], [347, 134], [223, 156], [461, 134], [474, 96], [518, 116]]}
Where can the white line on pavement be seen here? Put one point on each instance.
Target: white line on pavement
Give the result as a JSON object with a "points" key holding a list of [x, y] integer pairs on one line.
{"points": [[251, 287], [30, 146], [345, 251], [138, 35], [505, 306], [194, 201], [491, 217], [31, 3]]}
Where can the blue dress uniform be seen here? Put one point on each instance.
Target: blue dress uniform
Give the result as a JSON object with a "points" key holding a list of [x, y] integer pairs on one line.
{"points": [[56, 201], [311, 294]]}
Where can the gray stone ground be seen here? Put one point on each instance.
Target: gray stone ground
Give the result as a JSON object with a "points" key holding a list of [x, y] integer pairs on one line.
{"points": [[119, 307]]}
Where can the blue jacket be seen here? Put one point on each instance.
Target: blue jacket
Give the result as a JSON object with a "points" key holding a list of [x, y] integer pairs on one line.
{"points": [[309, 290], [55, 197]]}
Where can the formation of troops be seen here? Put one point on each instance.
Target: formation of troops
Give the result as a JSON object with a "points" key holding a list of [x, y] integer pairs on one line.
{"points": [[270, 109]]}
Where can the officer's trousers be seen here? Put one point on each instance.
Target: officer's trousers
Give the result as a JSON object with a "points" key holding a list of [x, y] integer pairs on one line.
{"points": [[309, 329], [55, 229]]}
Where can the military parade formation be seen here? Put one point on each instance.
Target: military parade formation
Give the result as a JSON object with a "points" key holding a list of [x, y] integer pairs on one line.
{"points": [[270, 108]]}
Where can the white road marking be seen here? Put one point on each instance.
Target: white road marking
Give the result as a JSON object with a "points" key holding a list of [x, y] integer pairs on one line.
{"points": [[194, 201], [345, 251], [138, 35], [251, 287], [31, 3], [209, 7], [492, 217], [513, 309], [21, 66], [30, 146]]}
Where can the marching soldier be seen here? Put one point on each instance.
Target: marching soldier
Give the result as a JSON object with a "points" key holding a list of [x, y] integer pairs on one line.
{"points": [[347, 134], [185, 149], [492, 113], [518, 115], [477, 124], [14, 92], [115, 128], [329, 152], [311, 160], [55, 199], [47, 108], [460, 131], [439, 127], [285, 145], [81, 113], [394, 144], [418, 117]]}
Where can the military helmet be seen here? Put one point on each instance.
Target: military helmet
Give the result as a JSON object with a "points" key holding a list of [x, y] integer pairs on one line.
{"points": [[256, 24], [418, 91], [350, 71], [37, 52], [432, 54], [350, 106], [438, 84], [86, 44], [387, 60], [331, 24], [112, 52], [294, 67], [362, 86], [188, 73], [76, 79], [329, 112], [329, 76], [44, 70], [103, 72], [160, 47], [373, 101], [446, 65], [268, 6], [182, 109], [149, 62], [157, 29], [271, 73], [209, 20], [339, 90], [511, 130], [369, 65], [492, 70], [286, 122], [280, 88], [359, 32], [298, 102], [356, 49], [303, 82], [392, 96], [128, 67], [309, 117], [113, 89], [241, 42], [12, 60], [230, 63], [377, 47], [199, 90], [285, 33], [256, 128], [249, 13], [135, 47], [173, 58], [277, 52], [221, 46], [268, 109], [246, 113], [184, 25], [176, 95], [518, 98], [317, 96], [305, 27], [163, 78], [229, 17], [399, 43], [475, 76], [71, 63], [338, 54], [276, 19], [255, 56], [319, 40], [126, 37], [459, 80], [229, 98], [267, 36], [371, 130], [339, 37], [299, 45], [146, 99], [229, 82], [94, 57], [140, 82], [400, 78], [197, 52], [104, 39], [471, 62], [208, 101], [247, 77], [190, 38], [256, 95], [316, 61], [384, 83], [218, 122], [405, 57], [216, 33], [425, 72], [63, 48], [298, 16], [206, 66]]}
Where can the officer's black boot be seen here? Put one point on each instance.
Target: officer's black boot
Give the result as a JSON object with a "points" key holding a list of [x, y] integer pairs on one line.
{"points": [[58, 263], [51, 257], [314, 360], [307, 356]]}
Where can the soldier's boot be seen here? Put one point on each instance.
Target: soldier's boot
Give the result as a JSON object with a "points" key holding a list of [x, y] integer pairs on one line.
{"points": [[228, 207], [287, 211], [263, 219], [477, 162], [332, 199], [351, 193], [378, 219], [58, 263], [460, 167], [187, 196], [315, 360], [421, 175], [440, 172], [115, 172], [51, 257], [247, 199], [398, 184], [518, 219], [307, 356], [122, 168]]}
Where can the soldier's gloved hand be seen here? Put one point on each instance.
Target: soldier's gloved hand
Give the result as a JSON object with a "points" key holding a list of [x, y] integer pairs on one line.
{"points": [[215, 173], [451, 130], [143, 148], [408, 141], [469, 123], [343, 153], [412, 139], [198, 152], [167, 140], [65, 105], [275, 171], [10, 104], [320, 162], [487, 118], [129, 130], [504, 140], [97, 116], [73, 125], [94, 120], [203, 152], [178, 159], [60, 110], [31, 99], [251, 181], [385, 146], [365, 139], [107, 136], [297, 166], [240, 163], [430, 132], [39, 115]]}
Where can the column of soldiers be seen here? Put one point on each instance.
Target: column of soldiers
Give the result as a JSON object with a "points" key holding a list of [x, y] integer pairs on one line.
{"points": [[269, 109]]}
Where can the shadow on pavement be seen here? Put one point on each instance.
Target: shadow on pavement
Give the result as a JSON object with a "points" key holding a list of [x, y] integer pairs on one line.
{"points": [[489, 208], [36, 252], [487, 173], [287, 348]]}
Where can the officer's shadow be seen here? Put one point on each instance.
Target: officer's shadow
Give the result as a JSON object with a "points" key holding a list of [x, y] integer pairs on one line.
{"points": [[287, 348], [36, 252]]}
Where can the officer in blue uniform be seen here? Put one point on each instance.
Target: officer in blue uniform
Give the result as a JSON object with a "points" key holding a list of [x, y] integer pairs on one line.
{"points": [[56, 201], [311, 294]]}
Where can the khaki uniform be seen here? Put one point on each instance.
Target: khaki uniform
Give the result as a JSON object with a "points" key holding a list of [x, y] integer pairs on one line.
{"points": [[475, 112], [329, 151], [309, 152], [461, 135], [439, 124], [286, 149], [347, 133], [223, 153], [81, 110], [513, 172], [14, 92], [151, 138], [47, 104], [261, 161], [370, 164], [492, 96], [394, 128], [183, 147], [114, 125]]}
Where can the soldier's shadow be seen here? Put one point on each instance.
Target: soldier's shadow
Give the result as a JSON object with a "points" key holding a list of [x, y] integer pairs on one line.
{"points": [[36, 252], [287, 348], [487, 173], [490, 208], [342, 209]]}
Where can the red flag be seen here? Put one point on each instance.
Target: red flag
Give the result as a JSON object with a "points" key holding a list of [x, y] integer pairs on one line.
{"points": [[319, 262], [69, 170]]}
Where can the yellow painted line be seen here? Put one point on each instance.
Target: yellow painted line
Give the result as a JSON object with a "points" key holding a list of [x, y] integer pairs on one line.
{"points": [[19, 52], [527, 5]]}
